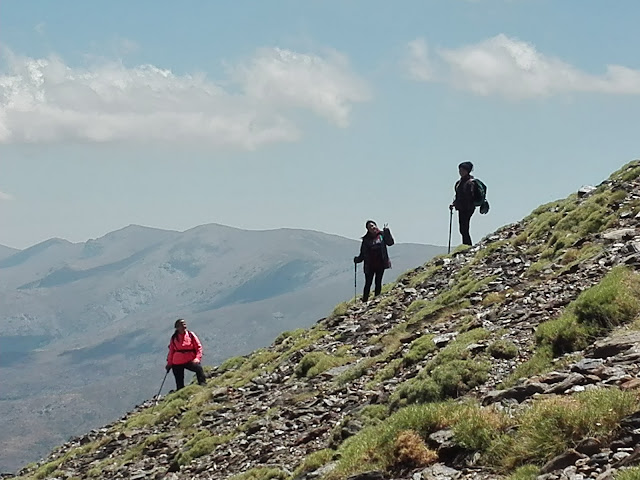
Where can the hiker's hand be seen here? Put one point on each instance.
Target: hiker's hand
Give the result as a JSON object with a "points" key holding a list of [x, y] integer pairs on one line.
{"points": [[451, 206], [355, 259], [386, 226], [195, 360], [167, 368]]}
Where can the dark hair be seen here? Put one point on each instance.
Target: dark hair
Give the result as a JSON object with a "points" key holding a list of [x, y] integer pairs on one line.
{"points": [[468, 166], [178, 322], [366, 225]]}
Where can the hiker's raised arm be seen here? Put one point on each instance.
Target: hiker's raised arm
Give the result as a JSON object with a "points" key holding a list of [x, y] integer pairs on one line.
{"points": [[388, 238]]}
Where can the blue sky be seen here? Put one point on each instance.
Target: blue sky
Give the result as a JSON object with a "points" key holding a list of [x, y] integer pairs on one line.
{"points": [[306, 114]]}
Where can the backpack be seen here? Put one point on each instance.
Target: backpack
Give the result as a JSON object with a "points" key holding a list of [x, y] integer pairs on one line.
{"points": [[480, 196]]}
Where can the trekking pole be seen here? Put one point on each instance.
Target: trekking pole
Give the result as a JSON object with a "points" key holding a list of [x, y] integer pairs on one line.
{"points": [[161, 385], [355, 282], [450, 222]]}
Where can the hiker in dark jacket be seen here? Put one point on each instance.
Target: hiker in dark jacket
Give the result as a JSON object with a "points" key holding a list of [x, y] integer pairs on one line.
{"points": [[185, 351], [373, 252], [464, 200]]}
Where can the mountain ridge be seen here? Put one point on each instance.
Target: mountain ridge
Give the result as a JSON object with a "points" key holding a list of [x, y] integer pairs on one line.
{"points": [[77, 315], [515, 359]]}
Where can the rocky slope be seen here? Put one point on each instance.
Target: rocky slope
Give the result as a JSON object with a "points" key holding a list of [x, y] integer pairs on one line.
{"points": [[74, 315], [517, 358]]}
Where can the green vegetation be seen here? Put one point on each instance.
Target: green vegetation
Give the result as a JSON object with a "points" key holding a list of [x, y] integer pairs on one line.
{"points": [[540, 362], [629, 172], [262, 473], [451, 373], [314, 363], [290, 334], [201, 444], [314, 461], [525, 472], [357, 371], [503, 349], [49, 469], [340, 310], [169, 409], [419, 349], [628, 474], [516, 445], [419, 279], [613, 302], [493, 298], [551, 425]]}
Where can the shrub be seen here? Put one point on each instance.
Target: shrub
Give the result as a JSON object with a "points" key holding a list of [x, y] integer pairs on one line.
{"points": [[476, 428], [357, 371], [503, 349], [526, 472], [457, 377], [340, 310], [416, 390], [632, 473], [374, 448], [411, 451], [540, 362], [170, 409], [563, 334], [314, 461], [374, 414], [614, 301], [288, 334], [139, 420], [189, 419], [314, 363], [493, 298], [419, 349], [201, 444], [231, 364], [551, 425]]}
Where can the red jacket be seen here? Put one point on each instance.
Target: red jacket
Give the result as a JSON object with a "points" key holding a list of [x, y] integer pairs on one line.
{"points": [[184, 348]]}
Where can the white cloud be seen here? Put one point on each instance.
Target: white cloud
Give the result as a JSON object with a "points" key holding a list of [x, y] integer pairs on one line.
{"points": [[514, 69], [283, 78], [419, 65], [46, 100], [5, 196]]}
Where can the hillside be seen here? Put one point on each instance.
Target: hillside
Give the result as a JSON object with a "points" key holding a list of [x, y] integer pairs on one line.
{"points": [[83, 320], [517, 359], [7, 251]]}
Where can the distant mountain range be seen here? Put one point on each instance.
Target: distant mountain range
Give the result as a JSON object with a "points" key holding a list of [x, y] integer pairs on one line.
{"points": [[86, 325]]}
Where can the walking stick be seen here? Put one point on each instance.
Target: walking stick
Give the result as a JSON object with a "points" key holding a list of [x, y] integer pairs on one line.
{"points": [[161, 385], [355, 282], [450, 222]]}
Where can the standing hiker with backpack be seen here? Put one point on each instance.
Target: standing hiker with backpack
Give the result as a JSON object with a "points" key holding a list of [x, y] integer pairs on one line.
{"points": [[185, 352], [470, 193], [373, 252]]}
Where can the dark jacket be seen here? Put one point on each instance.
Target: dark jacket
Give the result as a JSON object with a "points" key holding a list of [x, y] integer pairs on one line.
{"points": [[373, 251], [465, 191]]}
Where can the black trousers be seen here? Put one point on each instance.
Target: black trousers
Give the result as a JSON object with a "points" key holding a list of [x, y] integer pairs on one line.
{"points": [[369, 274], [464, 218], [178, 372]]}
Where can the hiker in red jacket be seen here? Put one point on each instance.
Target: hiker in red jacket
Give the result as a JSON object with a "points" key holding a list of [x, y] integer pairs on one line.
{"points": [[185, 351]]}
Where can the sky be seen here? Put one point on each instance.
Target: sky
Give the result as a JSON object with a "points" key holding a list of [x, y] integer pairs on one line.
{"points": [[315, 114]]}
